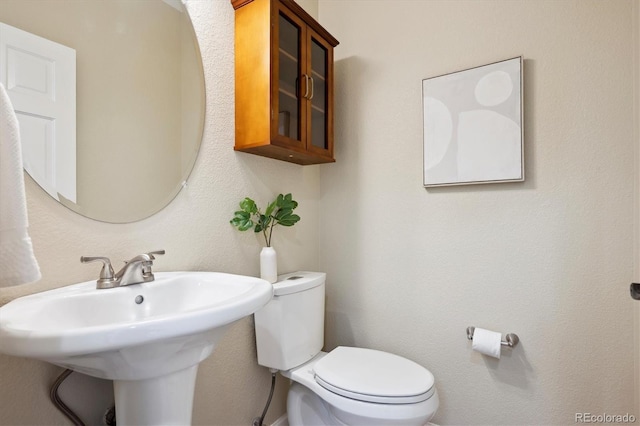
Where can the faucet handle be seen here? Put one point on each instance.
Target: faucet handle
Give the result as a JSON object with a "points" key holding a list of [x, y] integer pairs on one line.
{"points": [[151, 253], [107, 269], [145, 257], [107, 278], [147, 273]]}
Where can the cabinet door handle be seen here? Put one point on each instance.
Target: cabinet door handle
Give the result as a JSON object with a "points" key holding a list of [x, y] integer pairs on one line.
{"points": [[306, 86], [312, 87]]}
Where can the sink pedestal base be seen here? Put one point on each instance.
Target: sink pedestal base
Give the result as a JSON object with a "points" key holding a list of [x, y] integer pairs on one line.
{"points": [[166, 400]]}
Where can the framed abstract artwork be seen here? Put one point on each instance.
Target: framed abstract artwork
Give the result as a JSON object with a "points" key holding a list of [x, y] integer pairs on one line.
{"points": [[473, 126]]}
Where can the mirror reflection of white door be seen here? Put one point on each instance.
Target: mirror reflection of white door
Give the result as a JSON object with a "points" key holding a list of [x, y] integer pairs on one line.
{"points": [[40, 78]]}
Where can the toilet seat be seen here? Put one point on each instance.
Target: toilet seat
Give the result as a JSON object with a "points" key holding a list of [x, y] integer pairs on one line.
{"points": [[373, 376], [347, 410]]}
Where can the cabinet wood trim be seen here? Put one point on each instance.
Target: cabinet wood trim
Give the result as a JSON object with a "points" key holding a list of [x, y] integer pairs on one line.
{"points": [[298, 10], [239, 3], [310, 21]]}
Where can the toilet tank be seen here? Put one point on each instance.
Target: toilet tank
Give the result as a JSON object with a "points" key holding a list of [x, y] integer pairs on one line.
{"points": [[290, 328]]}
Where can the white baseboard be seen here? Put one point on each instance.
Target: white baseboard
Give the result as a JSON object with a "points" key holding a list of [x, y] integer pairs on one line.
{"points": [[282, 421]]}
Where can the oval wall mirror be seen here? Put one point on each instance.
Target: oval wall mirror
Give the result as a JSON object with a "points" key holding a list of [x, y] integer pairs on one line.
{"points": [[110, 99]]}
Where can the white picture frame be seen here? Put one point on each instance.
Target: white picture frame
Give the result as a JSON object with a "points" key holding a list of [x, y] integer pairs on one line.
{"points": [[473, 125]]}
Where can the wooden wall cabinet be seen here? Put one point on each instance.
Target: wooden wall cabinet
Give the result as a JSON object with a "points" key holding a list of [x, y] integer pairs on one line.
{"points": [[284, 82]]}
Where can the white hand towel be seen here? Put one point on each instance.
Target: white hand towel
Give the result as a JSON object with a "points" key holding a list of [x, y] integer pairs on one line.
{"points": [[18, 265]]}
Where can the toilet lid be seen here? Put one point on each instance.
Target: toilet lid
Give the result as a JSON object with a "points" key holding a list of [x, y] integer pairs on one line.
{"points": [[373, 376]]}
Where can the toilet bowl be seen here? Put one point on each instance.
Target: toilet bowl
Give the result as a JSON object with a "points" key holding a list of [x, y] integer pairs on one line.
{"points": [[347, 386]]}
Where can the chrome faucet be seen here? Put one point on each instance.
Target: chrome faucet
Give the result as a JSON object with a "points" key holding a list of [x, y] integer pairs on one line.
{"points": [[135, 271]]}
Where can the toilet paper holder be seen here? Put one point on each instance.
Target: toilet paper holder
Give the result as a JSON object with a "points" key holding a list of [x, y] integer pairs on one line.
{"points": [[511, 339]]}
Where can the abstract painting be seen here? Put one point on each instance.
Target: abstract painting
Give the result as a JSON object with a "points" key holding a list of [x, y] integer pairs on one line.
{"points": [[473, 129]]}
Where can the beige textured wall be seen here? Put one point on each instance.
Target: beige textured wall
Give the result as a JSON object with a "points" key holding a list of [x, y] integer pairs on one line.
{"points": [[194, 229], [550, 259]]}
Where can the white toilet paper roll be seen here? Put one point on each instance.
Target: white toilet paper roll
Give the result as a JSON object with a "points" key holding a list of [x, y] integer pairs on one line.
{"points": [[486, 342]]}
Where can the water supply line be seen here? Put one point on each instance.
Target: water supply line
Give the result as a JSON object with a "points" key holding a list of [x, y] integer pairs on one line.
{"points": [[258, 421], [55, 398]]}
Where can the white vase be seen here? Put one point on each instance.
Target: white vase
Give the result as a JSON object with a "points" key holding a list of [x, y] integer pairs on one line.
{"points": [[268, 264]]}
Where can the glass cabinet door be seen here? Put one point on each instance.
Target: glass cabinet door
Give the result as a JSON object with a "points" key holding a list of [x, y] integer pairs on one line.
{"points": [[318, 116], [318, 95], [289, 114], [301, 87]]}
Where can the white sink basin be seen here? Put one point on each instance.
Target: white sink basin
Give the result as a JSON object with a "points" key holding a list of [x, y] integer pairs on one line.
{"points": [[108, 334]]}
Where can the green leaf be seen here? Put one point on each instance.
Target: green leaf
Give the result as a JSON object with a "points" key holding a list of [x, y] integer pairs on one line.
{"points": [[282, 212], [246, 225], [241, 220], [286, 202], [270, 208], [289, 220], [242, 224], [290, 201], [295, 218], [242, 214], [248, 205], [238, 217]]}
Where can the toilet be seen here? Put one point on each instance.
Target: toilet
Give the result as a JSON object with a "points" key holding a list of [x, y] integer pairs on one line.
{"points": [[347, 386]]}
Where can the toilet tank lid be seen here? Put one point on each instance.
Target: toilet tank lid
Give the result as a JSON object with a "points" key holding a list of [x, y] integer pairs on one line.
{"points": [[295, 282]]}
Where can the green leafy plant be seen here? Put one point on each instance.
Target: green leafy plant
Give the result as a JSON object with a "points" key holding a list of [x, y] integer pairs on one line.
{"points": [[278, 212]]}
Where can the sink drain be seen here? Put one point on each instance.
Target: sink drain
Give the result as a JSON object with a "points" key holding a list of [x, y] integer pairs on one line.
{"points": [[139, 299]]}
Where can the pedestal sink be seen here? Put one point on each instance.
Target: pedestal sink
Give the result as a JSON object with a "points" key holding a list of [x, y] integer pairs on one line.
{"points": [[149, 338]]}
